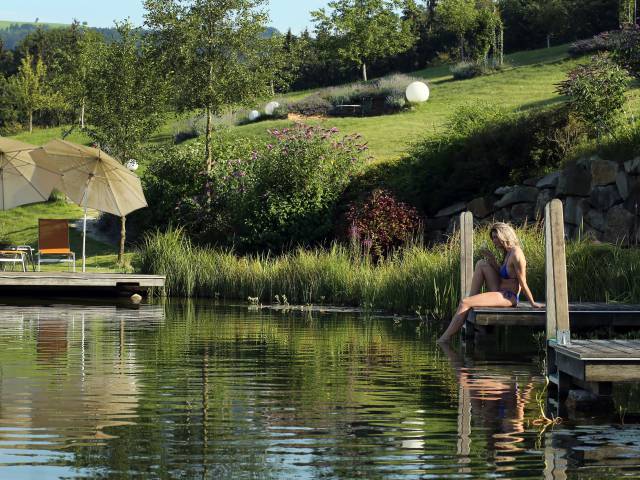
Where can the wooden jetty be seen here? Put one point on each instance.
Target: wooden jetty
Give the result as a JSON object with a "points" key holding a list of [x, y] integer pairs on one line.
{"points": [[64, 283], [592, 365], [482, 321]]}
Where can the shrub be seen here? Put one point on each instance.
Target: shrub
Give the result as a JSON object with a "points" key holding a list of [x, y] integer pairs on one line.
{"points": [[313, 105], [605, 41], [467, 70], [627, 50], [298, 180], [381, 222], [596, 92]]}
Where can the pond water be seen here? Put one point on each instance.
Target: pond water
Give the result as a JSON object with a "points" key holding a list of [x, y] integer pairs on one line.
{"points": [[198, 391]]}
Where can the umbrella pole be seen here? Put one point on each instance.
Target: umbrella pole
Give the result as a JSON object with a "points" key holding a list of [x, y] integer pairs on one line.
{"points": [[84, 241]]}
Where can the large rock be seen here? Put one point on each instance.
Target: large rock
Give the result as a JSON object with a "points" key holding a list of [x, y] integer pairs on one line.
{"points": [[523, 212], [632, 203], [574, 180], [619, 223], [571, 210], [622, 182], [481, 207], [440, 223], [603, 172], [632, 167], [595, 219], [549, 181], [502, 215], [452, 210], [603, 198], [531, 182], [500, 191], [544, 197], [518, 195]]}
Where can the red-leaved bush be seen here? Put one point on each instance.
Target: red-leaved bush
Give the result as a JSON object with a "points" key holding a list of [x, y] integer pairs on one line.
{"points": [[380, 222]]}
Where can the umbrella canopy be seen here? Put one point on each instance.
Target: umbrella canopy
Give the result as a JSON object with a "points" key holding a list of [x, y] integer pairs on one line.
{"points": [[24, 176], [93, 179]]}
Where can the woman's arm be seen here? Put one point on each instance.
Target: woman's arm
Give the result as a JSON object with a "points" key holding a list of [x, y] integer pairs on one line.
{"points": [[490, 258], [521, 273]]}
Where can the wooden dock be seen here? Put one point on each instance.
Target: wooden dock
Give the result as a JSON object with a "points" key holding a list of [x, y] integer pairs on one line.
{"points": [[582, 316], [64, 283]]}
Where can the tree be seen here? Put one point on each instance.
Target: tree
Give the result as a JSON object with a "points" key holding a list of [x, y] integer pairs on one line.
{"points": [[548, 16], [126, 97], [213, 47], [32, 90], [369, 29], [458, 17]]}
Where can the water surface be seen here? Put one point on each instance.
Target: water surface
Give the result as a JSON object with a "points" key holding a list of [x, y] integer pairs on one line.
{"points": [[201, 391]]}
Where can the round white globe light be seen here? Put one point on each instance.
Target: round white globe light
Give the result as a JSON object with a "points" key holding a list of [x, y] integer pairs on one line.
{"points": [[271, 107], [132, 165], [254, 115], [417, 92]]}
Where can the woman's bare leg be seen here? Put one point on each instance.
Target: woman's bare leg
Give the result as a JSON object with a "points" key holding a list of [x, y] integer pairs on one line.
{"points": [[484, 274], [489, 299]]}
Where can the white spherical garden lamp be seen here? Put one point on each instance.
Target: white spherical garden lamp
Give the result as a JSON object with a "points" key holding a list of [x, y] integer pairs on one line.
{"points": [[417, 92], [254, 115], [271, 107], [132, 164]]}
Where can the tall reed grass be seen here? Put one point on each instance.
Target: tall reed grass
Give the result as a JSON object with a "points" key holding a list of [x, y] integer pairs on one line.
{"points": [[412, 279]]}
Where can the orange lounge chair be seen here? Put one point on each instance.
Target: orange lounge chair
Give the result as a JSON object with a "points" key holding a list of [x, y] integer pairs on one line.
{"points": [[53, 243]]}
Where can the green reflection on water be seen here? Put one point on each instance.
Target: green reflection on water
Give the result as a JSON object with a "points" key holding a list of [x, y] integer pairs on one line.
{"points": [[192, 390]]}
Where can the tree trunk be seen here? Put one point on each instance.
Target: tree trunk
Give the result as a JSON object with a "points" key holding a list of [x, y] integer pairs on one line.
{"points": [[462, 48], [82, 109], [501, 45], [30, 121], [123, 237], [208, 152], [273, 89], [548, 40], [364, 71]]}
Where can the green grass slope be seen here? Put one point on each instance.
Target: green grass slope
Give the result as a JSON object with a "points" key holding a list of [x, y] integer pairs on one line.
{"points": [[528, 82], [4, 24]]}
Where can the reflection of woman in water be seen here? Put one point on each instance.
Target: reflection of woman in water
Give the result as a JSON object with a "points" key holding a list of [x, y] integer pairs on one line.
{"points": [[504, 282]]}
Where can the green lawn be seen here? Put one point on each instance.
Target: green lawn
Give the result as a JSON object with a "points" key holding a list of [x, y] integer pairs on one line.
{"points": [[19, 226]]}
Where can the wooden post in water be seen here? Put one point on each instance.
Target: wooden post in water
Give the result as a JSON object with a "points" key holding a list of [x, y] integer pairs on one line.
{"points": [[556, 275], [466, 253]]}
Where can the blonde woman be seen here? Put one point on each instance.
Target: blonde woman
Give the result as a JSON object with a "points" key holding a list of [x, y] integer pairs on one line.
{"points": [[503, 282]]}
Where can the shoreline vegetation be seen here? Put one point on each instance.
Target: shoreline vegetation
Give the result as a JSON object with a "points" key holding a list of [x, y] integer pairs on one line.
{"points": [[413, 279]]}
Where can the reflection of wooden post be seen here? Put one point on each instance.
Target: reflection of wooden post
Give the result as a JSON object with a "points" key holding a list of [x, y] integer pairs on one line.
{"points": [[466, 253], [556, 275], [464, 428]]}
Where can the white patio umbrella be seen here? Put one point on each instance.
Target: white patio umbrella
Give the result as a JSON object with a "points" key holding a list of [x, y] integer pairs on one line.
{"points": [[93, 179], [24, 178]]}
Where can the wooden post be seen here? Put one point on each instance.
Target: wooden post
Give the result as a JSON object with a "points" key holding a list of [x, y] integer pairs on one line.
{"points": [[466, 253], [556, 275]]}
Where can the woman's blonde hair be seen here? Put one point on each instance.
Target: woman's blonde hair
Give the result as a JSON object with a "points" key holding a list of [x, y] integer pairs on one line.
{"points": [[505, 234]]}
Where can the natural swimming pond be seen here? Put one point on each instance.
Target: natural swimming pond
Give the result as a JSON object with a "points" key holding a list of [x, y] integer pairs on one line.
{"points": [[198, 391]]}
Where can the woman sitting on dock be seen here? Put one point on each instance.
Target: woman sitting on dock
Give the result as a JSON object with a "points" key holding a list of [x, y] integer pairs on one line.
{"points": [[503, 283]]}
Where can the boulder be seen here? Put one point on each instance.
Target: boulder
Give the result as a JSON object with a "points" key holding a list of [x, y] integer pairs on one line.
{"points": [[571, 210], [502, 215], [481, 207], [595, 219], [544, 197], [603, 172], [582, 209], [439, 223], [518, 195], [619, 223], [549, 181], [503, 190], [632, 203], [591, 234], [531, 182], [622, 182], [523, 212], [632, 167], [574, 180], [452, 210], [603, 198]]}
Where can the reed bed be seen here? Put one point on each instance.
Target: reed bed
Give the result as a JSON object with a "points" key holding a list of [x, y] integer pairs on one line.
{"points": [[412, 279]]}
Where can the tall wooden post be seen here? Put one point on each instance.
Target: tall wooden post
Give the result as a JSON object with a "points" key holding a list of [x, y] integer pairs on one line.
{"points": [[466, 253], [556, 275]]}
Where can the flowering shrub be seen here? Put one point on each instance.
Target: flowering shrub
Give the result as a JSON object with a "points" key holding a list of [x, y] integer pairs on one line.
{"points": [[381, 222], [299, 177], [269, 195]]}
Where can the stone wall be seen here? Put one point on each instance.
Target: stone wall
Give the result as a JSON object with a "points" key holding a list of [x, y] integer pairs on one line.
{"points": [[601, 201]]}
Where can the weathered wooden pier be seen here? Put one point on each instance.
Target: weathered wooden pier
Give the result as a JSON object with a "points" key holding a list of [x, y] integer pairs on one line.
{"points": [[593, 365], [66, 284]]}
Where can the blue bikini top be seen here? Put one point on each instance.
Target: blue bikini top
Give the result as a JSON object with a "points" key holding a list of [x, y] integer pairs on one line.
{"points": [[504, 271]]}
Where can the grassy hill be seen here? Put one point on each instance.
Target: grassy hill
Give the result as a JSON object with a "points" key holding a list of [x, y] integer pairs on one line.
{"points": [[4, 24]]}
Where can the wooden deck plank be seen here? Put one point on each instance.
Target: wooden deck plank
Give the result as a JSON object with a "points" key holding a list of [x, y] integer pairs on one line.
{"points": [[60, 281], [601, 350]]}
